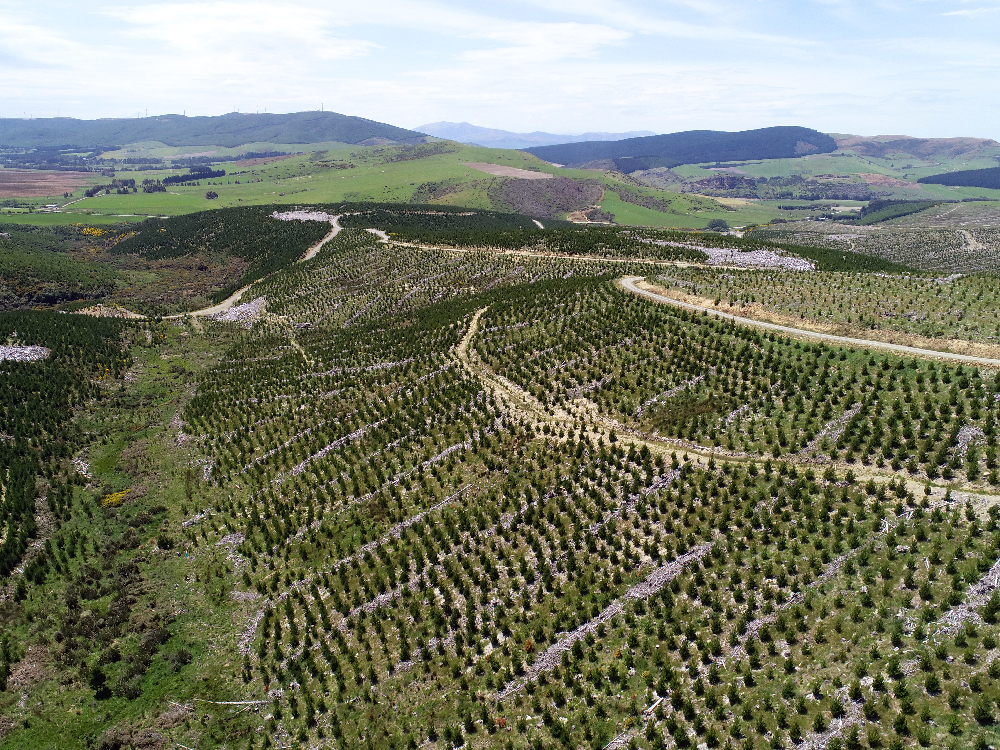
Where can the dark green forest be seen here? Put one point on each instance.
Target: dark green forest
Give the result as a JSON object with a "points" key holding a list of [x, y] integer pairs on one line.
{"points": [[36, 270], [245, 232], [692, 147], [983, 178], [37, 401], [229, 130]]}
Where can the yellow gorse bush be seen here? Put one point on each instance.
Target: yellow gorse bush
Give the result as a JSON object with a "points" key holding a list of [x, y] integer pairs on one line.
{"points": [[123, 237], [115, 499]]}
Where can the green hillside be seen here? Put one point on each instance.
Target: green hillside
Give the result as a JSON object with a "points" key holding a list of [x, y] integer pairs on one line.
{"points": [[691, 147], [742, 193], [230, 130], [420, 173], [982, 178]]}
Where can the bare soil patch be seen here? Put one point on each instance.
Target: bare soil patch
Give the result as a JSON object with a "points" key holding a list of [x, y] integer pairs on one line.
{"points": [[502, 171], [107, 311], [31, 670], [545, 199], [27, 183], [882, 180], [263, 160], [23, 353]]}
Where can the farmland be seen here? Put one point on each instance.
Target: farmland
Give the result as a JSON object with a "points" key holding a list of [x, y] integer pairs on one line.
{"points": [[446, 484], [327, 158], [437, 173]]}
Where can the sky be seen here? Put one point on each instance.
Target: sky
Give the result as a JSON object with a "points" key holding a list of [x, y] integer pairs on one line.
{"points": [[927, 68]]}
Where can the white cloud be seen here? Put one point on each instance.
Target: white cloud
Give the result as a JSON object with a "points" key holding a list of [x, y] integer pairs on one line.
{"points": [[527, 64], [972, 12]]}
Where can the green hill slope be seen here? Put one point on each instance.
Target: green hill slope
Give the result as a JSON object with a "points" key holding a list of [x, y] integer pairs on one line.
{"points": [[228, 130], [982, 178], [692, 147]]}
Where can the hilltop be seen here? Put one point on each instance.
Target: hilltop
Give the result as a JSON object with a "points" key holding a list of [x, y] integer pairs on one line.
{"points": [[229, 130], [923, 148], [691, 147]]}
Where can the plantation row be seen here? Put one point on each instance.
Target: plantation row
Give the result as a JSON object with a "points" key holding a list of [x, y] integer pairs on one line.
{"points": [[440, 497], [455, 228], [975, 249], [423, 561], [357, 278], [711, 383], [955, 308]]}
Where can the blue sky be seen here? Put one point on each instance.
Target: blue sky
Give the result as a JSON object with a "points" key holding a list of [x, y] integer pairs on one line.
{"points": [[925, 68]]}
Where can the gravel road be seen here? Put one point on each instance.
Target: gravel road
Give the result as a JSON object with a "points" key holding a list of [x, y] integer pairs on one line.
{"points": [[630, 285]]}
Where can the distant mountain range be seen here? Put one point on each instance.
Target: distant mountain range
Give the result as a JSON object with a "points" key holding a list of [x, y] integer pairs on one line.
{"points": [[690, 147], [231, 130], [464, 132]]}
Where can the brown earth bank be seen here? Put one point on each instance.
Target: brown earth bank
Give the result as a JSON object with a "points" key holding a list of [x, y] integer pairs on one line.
{"points": [[545, 198], [887, 336], [501, 170], [26, 183], [881, 180]]}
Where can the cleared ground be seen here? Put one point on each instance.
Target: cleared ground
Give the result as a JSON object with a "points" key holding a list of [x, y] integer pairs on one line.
{"points": [[25, 183], [504, 171]]}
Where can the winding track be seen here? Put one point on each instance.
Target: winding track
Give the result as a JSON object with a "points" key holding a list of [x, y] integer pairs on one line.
{"points": [[235, 297], [629, 284]]}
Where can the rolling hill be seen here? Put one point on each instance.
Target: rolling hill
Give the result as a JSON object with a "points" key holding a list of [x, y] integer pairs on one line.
{"points": [[690, 147], [450, 481], [230, 130], [881, 146], [982, 178]]}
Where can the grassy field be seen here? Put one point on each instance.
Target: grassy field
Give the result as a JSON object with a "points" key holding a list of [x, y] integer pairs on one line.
{"points": [[383, 174], [162, 151], [435, 172], [429, 173], [847, 164]]}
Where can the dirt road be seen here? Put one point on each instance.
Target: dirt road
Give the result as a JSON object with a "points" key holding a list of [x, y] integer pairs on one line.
{"points": [[630, 284], [235, 297], [227, 303], [311, 252]]}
